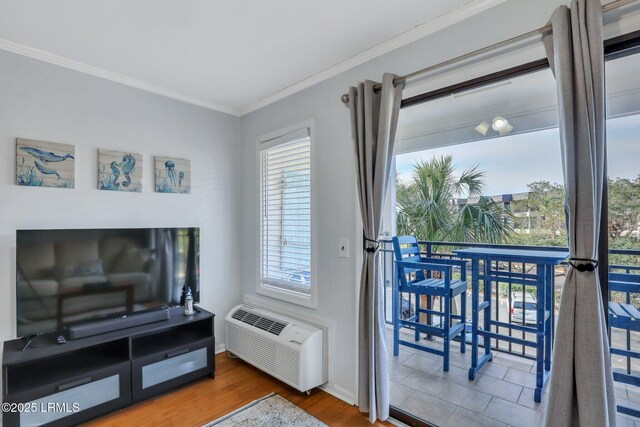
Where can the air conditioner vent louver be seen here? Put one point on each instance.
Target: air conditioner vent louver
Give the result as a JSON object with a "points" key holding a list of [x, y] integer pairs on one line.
{"points": [[286, 348], [264, 324], [277, 328], [239, 314], [251, 319], [272, 326]]}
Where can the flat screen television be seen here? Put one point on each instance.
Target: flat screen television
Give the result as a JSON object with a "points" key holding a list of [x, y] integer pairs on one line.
{"points": [[69, 277]]}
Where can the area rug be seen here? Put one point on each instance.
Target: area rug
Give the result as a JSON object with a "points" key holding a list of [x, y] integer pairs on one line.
{"points": [[272, 410]]}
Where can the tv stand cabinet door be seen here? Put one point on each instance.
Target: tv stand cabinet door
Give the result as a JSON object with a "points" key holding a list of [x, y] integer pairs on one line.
{"points": [[74, 402], [163, 371]]}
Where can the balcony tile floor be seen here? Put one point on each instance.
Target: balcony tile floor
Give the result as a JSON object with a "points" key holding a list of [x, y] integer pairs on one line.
{"points": [[501, 395]]}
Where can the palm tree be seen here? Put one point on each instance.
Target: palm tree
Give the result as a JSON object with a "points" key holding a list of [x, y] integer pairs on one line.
{"points": [[425, 205]]}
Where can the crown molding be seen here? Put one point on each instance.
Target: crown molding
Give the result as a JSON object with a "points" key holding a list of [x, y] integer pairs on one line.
{"points": [[61, 61], [416, 33]]}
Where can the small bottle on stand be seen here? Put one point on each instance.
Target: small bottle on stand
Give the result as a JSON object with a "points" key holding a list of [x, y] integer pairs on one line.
{"points": [[188, 303]]}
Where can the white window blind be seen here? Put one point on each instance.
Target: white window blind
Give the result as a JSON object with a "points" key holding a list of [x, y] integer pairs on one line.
{"points": [[286, 213]]}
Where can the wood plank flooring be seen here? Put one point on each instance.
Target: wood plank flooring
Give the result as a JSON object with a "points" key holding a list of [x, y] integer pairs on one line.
{"points": [[236, 384]]}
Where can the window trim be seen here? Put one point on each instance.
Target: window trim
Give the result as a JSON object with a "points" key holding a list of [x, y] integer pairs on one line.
{"points": [[270, 140]]}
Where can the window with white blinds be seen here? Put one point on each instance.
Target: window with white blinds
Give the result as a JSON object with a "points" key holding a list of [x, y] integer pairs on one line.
{"points": [[285, 208]]}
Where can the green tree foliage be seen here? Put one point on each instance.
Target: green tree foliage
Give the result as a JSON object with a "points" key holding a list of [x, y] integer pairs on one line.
{"points": [[546, 205], [425, 205], [624, 207], [426, 208], [624, 219], [543, 213]]}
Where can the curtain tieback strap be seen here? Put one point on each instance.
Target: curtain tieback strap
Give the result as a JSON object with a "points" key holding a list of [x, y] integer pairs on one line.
{"points": [[370, 245], [591, 265]]}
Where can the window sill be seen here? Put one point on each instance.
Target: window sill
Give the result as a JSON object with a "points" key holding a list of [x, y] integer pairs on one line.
{"points": [[287, 296]]}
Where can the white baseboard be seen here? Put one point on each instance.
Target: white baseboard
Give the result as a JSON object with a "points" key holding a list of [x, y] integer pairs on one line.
{"points": [[339, 392], [333, 390]]}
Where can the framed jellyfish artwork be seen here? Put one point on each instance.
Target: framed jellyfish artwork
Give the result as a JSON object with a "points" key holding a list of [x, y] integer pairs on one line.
{"points": [[119, 171], [173, 175]]}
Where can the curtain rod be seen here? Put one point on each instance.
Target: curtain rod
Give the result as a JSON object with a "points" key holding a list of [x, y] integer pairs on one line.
{"points": [[542, 30]]}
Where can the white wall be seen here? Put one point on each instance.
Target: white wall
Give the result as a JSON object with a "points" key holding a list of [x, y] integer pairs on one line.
{"points": [[46, 102], [335, 180]]}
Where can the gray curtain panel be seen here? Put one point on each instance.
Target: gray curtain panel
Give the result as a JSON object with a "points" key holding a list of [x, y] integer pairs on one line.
{"points": [[581, 391], [374, 119]]}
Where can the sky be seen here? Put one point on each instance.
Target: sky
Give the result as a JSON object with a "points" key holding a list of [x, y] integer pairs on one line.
{"points": [[512, 162]]}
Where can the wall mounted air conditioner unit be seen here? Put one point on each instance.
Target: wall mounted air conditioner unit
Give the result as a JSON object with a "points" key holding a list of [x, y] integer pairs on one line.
{"points": [[287, 349]]}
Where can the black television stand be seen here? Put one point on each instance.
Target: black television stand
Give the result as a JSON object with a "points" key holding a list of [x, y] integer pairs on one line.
{"points": [[65, 384], [27, 340]]}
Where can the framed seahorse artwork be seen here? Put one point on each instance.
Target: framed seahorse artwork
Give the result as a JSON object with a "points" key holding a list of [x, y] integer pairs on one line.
{"points": [[119, 171], [45, 164], [173, 175]]}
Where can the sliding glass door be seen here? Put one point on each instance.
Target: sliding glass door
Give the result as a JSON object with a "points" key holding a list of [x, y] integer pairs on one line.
{"points": [[483, 167]]}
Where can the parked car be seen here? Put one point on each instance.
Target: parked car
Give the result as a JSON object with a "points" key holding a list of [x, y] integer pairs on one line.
{"points": [[407, 309], [302, 277], [523, 310]]}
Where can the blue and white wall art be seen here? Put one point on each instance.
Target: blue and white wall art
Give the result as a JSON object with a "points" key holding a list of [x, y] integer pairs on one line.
{"points": [[45, 164], [119, 171], [173, 175]]}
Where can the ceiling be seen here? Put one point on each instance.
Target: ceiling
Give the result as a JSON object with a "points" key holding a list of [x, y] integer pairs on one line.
{"points": [[232, 56]]}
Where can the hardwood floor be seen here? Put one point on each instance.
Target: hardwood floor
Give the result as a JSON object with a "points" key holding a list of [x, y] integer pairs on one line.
{"points": [[236, 384]]}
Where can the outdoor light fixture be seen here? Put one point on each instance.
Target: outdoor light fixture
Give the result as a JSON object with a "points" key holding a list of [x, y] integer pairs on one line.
{"points": [[498, 124], [508, 128], [483, 128], [501, 125]]}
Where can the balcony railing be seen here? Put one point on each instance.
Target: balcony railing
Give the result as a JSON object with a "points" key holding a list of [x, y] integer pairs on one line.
{"points": [[622, 260]]}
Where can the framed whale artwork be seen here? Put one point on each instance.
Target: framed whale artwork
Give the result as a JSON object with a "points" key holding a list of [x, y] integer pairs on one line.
{"points": [[119, 171], [173, 175], [45, 164]]}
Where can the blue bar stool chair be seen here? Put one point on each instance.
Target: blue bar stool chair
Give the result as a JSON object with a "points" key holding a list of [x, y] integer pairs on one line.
{"points": [[431, 277]]}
